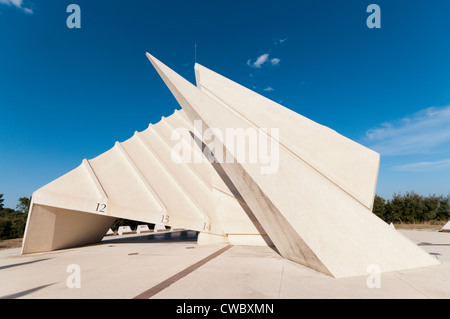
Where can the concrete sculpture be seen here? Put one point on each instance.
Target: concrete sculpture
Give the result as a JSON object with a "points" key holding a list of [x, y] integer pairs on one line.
{"points": [[138, 180], [159, 227], [124, 230], [312, 200], [142, 229], [446, 228], [316, 208]]}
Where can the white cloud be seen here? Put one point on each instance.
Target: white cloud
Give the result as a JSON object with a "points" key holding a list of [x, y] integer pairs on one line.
{"points": [[423, 166], [425, 131], [268, 89], [280, 41], [261, 60], [18, 4], [275, 61]]}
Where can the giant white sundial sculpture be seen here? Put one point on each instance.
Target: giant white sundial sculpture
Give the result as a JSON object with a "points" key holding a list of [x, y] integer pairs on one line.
{"points": [[312, 201]]}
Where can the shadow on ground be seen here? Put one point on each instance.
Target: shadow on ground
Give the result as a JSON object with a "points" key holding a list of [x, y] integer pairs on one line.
{"points": [[175, 236]]}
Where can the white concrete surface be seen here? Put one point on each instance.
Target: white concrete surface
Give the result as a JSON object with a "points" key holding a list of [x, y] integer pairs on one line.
{"points": [[137, 180], [352, 166], [124, 230], [315, 209], [124, 267], [159, 227], [312, 208], [142, 229], [446, 227]]}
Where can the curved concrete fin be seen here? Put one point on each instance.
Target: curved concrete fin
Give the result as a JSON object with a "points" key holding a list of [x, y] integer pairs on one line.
{"points": [[350, 165], [331, 226]]}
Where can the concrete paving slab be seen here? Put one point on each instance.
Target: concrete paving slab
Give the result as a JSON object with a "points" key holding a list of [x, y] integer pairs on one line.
{"points": [[123, 267]]}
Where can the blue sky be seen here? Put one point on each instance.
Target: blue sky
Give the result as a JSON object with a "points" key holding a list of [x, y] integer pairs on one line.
{"points": [[69, 94]]}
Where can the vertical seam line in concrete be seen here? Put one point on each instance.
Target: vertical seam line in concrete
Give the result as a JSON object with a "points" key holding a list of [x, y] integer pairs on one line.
{"points": [[166, 283]]}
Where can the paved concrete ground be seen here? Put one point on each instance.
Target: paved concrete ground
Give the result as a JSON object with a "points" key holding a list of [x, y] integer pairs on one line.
{"points": [[154, 266]]}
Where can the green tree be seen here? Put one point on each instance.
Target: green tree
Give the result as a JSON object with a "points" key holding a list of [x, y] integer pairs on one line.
{"points": [[379, 207], [18, 226], [443, 210], [24, 204], [12, 222], [396, 209], [5, 228], [412, 208], [432, 207], [1, 201]]}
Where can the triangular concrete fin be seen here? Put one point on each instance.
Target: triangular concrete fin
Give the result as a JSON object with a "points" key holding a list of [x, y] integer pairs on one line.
{"points": [[76, 190], [348, 164], [309, 219], [446, 227], [137, 180], [190, 98]]}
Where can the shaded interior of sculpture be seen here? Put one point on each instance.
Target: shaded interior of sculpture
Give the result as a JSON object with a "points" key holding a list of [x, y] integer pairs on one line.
{"points": [[236, 202]]}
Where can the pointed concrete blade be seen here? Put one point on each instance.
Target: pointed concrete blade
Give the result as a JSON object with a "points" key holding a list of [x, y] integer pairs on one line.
{"points": [[349, 165], [310, 219]]}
